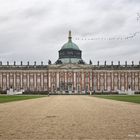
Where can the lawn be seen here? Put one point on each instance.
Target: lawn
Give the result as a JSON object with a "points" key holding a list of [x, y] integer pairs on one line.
{"points": [[10, 98], [125, 98]]}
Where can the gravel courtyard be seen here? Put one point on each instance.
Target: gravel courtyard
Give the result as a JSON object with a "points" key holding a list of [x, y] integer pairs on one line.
{"points": [[69, 117]]}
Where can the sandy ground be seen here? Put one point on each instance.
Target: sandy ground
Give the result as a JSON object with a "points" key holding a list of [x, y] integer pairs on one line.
{"points": [[69, 117]]}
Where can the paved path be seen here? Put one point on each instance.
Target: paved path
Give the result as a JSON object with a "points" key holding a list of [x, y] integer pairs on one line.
{"points": [[69, 117]]}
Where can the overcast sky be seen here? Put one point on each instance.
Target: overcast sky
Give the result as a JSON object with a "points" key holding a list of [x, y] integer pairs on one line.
{"points": [[34, 30]]}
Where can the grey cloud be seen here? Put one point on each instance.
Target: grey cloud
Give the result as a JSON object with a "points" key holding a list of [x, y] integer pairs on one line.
{"points": [[35, 30]]}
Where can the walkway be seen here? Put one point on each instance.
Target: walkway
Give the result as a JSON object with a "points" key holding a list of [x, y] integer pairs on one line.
{"points": [[69, 117]]}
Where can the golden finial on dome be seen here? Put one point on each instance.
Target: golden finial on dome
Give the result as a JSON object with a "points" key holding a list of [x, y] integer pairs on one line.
{"points": [[70, 33], [70, 36]]}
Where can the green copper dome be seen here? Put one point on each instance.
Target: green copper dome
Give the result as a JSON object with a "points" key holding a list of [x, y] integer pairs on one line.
{"points": [[70, 44]]}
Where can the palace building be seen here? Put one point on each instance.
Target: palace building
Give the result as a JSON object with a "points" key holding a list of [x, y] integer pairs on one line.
{"points": [[70, 74]]}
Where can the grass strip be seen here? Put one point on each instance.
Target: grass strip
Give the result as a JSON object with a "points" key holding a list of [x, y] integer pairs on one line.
{"points": [[125, 98], [11, 98]]}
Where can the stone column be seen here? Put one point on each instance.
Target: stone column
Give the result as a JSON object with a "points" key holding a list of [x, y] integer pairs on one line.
{"points": [[21, 80], [35, 80], [119, 80], [14, 80], [98, 80], [134, 81], [57, 80], [66, 75], [83, 81], [112, 81], [126, 81], [49, 78], [93, 80], [90, 76], [28, 81], [74, 81], [0, 80], [42, 83], [132, 76], [7, 79], [138, 80], [105, 79]]}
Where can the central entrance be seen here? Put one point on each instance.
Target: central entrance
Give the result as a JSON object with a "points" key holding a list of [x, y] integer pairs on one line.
{"points": [[70, 89], [66, 87]]}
